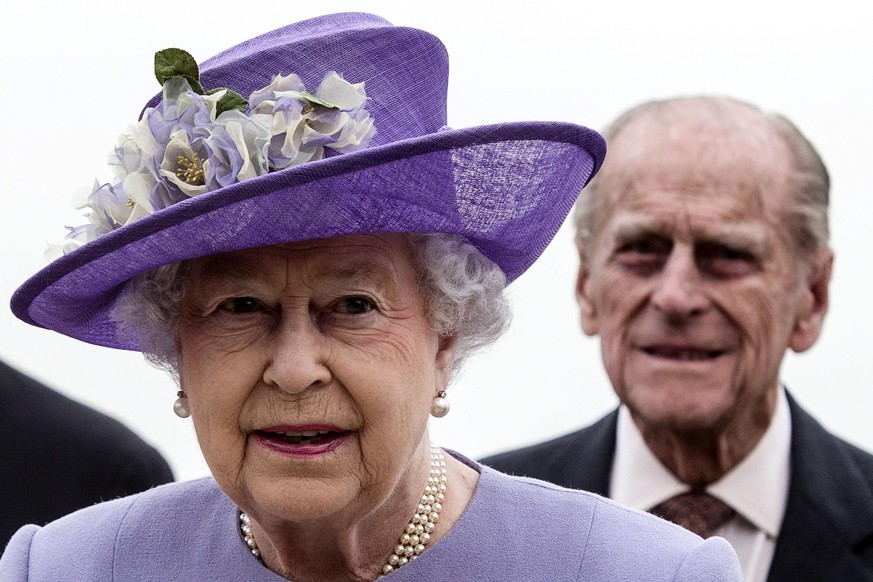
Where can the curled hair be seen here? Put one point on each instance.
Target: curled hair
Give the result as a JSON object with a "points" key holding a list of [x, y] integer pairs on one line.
{"points": [[809, 180], [463, 293], [147, 313]]}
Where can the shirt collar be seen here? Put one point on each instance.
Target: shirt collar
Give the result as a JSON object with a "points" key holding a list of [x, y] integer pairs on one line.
{"points": [[757, 488]]}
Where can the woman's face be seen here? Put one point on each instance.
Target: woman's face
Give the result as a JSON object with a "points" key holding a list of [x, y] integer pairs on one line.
{"points": [[309, 369]]}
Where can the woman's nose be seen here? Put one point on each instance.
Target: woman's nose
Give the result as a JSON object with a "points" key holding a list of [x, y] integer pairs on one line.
{"points": [[297, 358]]}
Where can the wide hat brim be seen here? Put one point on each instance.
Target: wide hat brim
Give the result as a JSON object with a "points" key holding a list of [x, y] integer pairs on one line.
{"points": [[507, 188]]}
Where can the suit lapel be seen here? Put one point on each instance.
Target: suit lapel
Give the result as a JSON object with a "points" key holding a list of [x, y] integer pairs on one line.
{"points": [[579, 460], [829, 515], [590, 466]]}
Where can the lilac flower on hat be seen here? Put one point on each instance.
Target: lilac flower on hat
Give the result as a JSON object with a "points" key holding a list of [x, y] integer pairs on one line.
{"points": [[349, 124], [147, 161], [238, 144], [110, 206], [304, 124], [180, 125], [194, 142]]}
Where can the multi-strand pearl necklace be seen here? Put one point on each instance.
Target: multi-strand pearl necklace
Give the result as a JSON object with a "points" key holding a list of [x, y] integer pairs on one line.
{"points": [[418, 531]]}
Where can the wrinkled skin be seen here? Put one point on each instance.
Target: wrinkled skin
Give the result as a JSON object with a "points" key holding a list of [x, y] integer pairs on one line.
{"points": [[330, 334], [695, 286]]}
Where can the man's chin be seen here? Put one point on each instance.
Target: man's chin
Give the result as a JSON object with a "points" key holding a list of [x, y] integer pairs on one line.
{"points": [[681, 415]]}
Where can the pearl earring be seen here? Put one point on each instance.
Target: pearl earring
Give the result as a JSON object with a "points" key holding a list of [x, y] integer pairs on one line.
{"points": [[439, 407], [180, 406]]}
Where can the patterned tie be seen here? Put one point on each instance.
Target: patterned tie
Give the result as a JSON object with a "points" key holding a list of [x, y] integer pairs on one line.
{"points": [[697, 511]]}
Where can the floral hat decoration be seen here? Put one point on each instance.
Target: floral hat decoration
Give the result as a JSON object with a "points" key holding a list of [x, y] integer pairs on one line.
{"points": [[343, 131]]}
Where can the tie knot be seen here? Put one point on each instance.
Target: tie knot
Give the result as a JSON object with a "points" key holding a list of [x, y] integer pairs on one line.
{"points": [[697, 511]]}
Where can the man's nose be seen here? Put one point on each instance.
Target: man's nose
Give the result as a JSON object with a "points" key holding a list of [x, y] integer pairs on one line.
{"points": [[679, 289]]}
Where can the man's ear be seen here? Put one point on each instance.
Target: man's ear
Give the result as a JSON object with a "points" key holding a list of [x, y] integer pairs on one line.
{"points": [[587, 313], [814, 300]]}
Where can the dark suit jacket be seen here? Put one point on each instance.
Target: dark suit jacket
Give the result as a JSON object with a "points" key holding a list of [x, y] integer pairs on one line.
{"points": [[57, 456], [827, 532]]}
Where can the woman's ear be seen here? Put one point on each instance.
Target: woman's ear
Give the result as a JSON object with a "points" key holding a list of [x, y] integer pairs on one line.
{"points": [[813, 301], [445, 358], [587, 313]]}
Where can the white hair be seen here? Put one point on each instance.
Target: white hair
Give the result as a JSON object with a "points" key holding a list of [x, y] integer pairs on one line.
{"points": [[809, 178]]}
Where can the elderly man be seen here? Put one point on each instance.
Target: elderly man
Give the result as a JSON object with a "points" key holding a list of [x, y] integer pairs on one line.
{"points": [[704, 257]]}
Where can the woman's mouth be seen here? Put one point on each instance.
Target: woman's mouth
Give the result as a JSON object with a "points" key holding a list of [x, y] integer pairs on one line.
{"points": [[304, 437], [295, 441]]}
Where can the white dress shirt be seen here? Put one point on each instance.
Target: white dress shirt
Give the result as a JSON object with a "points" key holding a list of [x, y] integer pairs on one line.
{"points": [[757, 488]]}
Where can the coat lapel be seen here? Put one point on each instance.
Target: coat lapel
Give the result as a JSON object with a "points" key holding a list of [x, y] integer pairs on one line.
{"points": [[579, 460], [827, 532]]}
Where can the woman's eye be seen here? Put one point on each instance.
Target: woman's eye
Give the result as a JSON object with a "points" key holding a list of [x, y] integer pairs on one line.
{"points": [[240, 305], [354, 305]]}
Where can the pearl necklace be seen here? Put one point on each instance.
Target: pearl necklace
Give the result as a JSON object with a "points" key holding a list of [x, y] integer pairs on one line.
{"points": [[417, 533]]}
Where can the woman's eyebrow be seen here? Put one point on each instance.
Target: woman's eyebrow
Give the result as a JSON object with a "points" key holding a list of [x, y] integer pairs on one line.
{"points": [[363, 272]]}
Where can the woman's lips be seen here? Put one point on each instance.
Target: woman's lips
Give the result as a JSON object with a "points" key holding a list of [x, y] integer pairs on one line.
{"points": [[298, 440]]}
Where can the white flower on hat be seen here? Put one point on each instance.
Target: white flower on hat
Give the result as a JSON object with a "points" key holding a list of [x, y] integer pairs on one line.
{"points": [[351, 125], [304, 124], [194, 141], [238, 144], [183, 165]]}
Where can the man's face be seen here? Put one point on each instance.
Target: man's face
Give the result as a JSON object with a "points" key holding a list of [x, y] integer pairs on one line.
{"points": [[692, 279]]}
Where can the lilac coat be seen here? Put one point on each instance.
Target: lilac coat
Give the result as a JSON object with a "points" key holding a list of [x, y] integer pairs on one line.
{"points": [[514, 529]]}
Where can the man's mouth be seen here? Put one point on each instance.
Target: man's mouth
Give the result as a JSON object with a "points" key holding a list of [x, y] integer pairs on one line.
{"points": [[682, 354]]}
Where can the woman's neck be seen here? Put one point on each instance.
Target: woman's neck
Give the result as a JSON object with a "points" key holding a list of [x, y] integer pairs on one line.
{"points": [[356, 545]]}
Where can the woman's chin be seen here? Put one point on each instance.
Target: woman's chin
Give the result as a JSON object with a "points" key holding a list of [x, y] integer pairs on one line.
{"points": [[302, 499]]}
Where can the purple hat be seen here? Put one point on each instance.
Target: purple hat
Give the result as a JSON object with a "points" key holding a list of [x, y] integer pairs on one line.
{"points": [[507, 187]]}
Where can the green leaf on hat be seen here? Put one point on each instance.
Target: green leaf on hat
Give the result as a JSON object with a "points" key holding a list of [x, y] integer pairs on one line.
{"points": [[230, 100], [174, 62], [315, 100]]}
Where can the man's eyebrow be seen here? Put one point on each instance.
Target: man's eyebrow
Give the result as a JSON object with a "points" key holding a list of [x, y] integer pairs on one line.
{"points": [[732, 234], [738, 236], [629, 227]]}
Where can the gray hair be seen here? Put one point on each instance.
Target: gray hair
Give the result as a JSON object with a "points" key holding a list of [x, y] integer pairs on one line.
{"points": [[809, 177], [463, 290]]}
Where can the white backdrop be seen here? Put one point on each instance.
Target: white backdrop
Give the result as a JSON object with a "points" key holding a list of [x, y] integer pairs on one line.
{"points": [[76, 73]]}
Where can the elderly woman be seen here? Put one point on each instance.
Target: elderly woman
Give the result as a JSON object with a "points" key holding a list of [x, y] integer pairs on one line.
{"points": [[312, 266]]}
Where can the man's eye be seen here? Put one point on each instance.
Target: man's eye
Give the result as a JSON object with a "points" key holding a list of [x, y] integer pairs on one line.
{"points": [[643, 247], [722, 253], [354, 305], [646, 246], [240, 305], [732, 255], [725, 261]]}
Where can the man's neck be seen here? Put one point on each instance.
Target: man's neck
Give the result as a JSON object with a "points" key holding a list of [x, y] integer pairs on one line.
{"points": [[701, 457]]}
